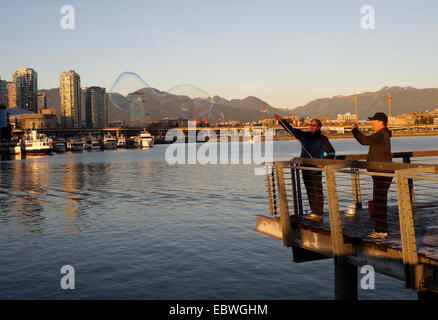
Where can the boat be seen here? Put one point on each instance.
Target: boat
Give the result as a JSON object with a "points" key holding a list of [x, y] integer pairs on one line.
{"points": [[36, 143], [145, 139], [95, 144], [87, 143], [121, 142], [109, 142], [75, 145], [60, 146]]}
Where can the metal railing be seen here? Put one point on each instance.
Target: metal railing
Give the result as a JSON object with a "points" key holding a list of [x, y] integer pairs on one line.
{"points": [[347, 185]]}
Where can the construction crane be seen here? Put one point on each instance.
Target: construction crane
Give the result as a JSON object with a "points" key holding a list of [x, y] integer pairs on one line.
{"points": [[354, 97], [265, 111], [389, 104]]}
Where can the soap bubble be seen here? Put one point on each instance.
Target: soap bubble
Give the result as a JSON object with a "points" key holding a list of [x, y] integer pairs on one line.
{"points": [[132, 94], [187, 102]]}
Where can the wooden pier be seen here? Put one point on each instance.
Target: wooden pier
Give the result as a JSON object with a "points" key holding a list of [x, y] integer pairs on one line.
{"points": [[409, 253]]}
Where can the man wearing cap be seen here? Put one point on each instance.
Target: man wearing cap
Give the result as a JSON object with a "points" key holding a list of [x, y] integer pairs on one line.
{"points": [[380, 150]]}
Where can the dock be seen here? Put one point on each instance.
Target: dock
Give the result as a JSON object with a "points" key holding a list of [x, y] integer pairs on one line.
{"points": [[409, 253]]}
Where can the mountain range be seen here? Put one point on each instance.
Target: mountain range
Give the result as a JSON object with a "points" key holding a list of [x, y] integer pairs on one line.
{"points": [[404, 100], [247, 109]]}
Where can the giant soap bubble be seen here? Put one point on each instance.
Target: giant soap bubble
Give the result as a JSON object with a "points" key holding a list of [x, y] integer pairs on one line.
{"points": [[132, 94], [187, 102]]}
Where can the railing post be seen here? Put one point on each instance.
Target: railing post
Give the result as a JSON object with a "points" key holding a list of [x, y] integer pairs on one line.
{"points": [[355, 184], [284, 208], [294, 189], [268, 185], [413, 271], [407, 159], [337, 237]]}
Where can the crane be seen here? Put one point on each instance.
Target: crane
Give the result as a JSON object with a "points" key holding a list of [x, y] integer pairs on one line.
{"points": [[354, 97], [389, 104], [265, 111]]}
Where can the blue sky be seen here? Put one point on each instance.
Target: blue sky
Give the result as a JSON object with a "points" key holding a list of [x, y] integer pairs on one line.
{"points": [[285, 52]]}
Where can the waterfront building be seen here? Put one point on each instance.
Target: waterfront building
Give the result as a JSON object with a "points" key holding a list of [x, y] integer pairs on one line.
{"points": [[26, 89], [44, 120], [346, 118], [3, 93], [70, 99], [12, 94], [42, 101], [96, 107]]}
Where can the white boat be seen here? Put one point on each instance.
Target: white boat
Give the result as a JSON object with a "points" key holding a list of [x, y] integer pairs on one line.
{"points": [[121, 142], [75, 145], [95, 144], [60, 146], [36, 143], [145, 139], [109, 142]]}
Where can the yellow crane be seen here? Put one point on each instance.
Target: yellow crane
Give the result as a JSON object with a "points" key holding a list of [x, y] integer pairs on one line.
{"points": [[354, 97], [389, 104]]}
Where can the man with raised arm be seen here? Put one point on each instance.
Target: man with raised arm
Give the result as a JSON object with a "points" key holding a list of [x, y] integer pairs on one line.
{"points": [[314, 145], [380, 150]]}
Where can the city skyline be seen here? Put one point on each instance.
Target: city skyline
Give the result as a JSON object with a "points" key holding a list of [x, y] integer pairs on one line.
{"points": [[285, 53]]}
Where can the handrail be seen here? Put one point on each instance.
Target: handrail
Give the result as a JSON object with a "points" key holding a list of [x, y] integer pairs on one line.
{"points": [[284, 181]]}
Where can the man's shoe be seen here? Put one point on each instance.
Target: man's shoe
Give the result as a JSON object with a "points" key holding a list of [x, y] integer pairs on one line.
{"points": [[314, 217], [378, 235]]}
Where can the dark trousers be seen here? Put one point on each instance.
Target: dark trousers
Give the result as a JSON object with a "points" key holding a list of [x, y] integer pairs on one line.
{"points": [[380, 197], [313, 183]]}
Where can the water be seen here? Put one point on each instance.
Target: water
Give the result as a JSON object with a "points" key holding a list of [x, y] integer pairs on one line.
{"points": [[135, 227]]}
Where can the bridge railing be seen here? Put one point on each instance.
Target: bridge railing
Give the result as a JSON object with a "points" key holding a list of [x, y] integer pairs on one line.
{"points": [[347, 187]]}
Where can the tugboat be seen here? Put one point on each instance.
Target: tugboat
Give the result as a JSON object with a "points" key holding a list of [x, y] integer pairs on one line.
{"points": [[145, 139], [36, 143]]}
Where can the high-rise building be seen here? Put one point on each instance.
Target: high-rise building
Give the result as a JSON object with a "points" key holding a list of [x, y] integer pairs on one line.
{"points": [[70, 99], [12, 94], [96, 108], [42, 101], [26, 88], [3, 93], [137, 116]]}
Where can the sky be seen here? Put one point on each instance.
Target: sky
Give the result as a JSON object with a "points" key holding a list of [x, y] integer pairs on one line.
{"points": [[284, 52]]}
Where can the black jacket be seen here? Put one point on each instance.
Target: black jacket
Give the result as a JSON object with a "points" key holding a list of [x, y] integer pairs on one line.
{"points": [[316, 143], [379, 142]]}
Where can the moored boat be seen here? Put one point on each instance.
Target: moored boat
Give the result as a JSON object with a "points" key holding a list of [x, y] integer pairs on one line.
{"points": [[109, 142], [36, 143], [145, 139]]}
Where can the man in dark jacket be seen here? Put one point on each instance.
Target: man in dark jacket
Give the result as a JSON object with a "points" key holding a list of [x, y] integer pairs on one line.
{"points": [[315, 146], [380, 150]]}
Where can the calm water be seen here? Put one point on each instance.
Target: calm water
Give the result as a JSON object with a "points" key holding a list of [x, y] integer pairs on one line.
{"points": [[135, 227]]}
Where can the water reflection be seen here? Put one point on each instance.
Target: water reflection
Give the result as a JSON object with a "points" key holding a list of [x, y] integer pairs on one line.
{"points": [[22, 186]]}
